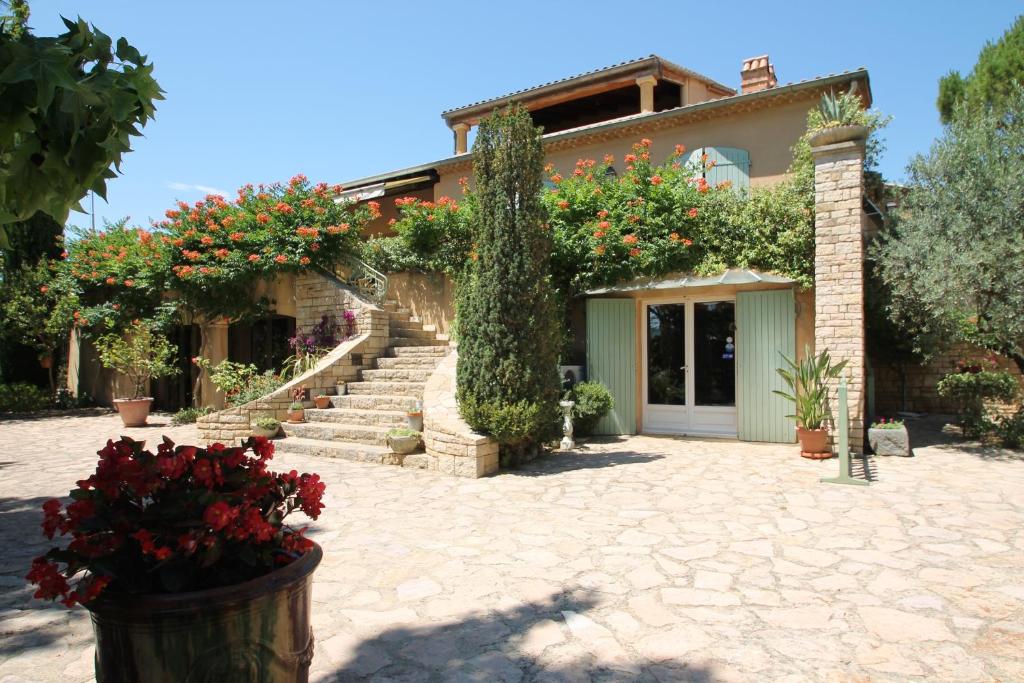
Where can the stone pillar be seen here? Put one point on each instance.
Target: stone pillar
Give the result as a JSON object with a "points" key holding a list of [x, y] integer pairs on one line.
{"points": [[461, 137], [646, 84], [215, 348], [839, 262]]}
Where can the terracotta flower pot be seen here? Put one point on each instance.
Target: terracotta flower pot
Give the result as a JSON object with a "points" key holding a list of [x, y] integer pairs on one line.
{"points": [[298, 415], [133, 411], [258, 630], [322, 402], [814, 443], [46, 362]]}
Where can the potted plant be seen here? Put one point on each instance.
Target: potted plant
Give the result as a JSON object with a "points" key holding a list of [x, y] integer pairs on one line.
{"points": [[140, 354], [322, 401], [889, 437], [414, 416], [808, 391], [266, 426], [403, 441], [838, 118], [341, 387], [182, 558]]}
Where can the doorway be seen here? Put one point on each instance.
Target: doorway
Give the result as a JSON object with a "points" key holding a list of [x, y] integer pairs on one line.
{"points": [[689, 367]]}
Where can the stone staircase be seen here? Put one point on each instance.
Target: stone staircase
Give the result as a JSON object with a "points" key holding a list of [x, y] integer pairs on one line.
{"points": [[356, 426]]}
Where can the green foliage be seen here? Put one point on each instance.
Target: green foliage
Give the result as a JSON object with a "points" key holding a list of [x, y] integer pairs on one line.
{"points": [[403, 431], [240, 382], [990, 83], [890, 423], [508, 383], [970, 391], [139, 353], [187, 416], [844, 109], [70, 105], [593, 401], [953, 262], [30, 299], [267, 422], [22, 397], [301, 362], [1010, 429], [808, 386]]}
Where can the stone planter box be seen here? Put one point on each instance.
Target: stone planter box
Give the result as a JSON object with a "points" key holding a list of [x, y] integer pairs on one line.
{"points": [[890, 442], [832, 136]]}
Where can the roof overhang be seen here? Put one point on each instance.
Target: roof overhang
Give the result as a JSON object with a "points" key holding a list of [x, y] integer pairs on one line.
{"points": [[733, 276], [583, 85]]}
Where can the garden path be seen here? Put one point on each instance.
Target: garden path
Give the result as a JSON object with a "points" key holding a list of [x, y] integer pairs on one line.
{"points": [[636, 559]]}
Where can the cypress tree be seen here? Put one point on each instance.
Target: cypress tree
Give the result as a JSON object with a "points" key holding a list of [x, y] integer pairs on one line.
{"points": [[509, 335]]}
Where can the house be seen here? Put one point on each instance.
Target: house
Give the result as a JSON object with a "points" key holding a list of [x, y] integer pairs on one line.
{"points": [[683, 355]]}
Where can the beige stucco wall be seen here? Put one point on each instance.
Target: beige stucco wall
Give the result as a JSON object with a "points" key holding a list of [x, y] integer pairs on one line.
{"points": [[767, 134], [428, 296]]}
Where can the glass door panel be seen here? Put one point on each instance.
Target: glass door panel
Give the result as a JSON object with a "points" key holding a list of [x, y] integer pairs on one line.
{"points": [[666, 359], [714, 353]]}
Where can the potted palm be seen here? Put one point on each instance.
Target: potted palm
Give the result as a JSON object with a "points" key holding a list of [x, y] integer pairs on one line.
{"points": [[808, 391], [140, 355], [185, 565]]}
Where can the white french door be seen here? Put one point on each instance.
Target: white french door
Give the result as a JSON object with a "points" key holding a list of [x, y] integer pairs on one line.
{"points": [[689, 366]]}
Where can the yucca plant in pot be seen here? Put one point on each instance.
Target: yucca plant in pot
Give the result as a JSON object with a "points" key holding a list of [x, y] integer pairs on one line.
{"points": [[185, 565], [140, 354], [807, 380]]}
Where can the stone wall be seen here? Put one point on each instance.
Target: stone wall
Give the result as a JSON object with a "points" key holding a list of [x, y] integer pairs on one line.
{"points": [[921, 395], [316, 294], [451, 446], [839, 268]]}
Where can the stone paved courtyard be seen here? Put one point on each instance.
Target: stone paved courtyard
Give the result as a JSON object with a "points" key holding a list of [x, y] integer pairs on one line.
{"points": [[639, 559]]}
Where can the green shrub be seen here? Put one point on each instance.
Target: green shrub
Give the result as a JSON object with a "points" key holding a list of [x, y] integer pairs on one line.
{"points": [[970, 390], [1010, 430], [267, 422], [510, 423], [187, 416], [593, 401], [22, 397]]}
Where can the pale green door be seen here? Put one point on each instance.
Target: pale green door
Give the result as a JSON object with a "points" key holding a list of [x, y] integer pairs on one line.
{"points": [[765, 329], [611, 359]]}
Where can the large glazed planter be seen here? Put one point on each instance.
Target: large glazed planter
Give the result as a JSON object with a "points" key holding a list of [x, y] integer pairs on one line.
{"points": [[257, 632], [133, 411]]}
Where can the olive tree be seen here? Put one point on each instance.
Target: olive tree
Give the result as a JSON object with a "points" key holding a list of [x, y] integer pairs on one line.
{"points": [[954, 260]]}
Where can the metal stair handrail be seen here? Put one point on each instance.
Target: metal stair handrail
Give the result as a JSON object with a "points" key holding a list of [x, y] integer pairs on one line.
{"points": [[364, 278]]}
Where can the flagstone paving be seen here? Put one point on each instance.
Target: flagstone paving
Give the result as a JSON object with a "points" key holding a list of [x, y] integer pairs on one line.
{"points": [[652, 559]]}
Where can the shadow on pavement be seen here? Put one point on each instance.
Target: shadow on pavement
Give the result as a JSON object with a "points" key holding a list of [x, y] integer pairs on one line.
{"points": [[507, 646]]}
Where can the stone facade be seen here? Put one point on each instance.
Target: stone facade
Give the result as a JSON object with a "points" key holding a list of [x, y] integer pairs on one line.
{"points": [[316, 295], [839, 268], [451, 446]]}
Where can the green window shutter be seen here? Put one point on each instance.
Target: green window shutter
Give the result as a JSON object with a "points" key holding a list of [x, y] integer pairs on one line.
{"points": [[765, 328], [730, 164], [611, 359]]}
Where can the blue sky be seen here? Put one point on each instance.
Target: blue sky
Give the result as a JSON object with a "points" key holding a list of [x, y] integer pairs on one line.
{"points": [[258, 91]]}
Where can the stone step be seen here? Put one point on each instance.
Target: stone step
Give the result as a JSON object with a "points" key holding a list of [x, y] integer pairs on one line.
{"points": [[431, 351], [362, 416], [330, 431], [423, 362], [373, 402], [410, 324], [414, 389], [411, 341], [396, 375], [357, 452], [394, 317], [412, 333]]}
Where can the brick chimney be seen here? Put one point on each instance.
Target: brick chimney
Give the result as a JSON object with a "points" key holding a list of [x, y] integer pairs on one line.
{"points": [[757, 74]]}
